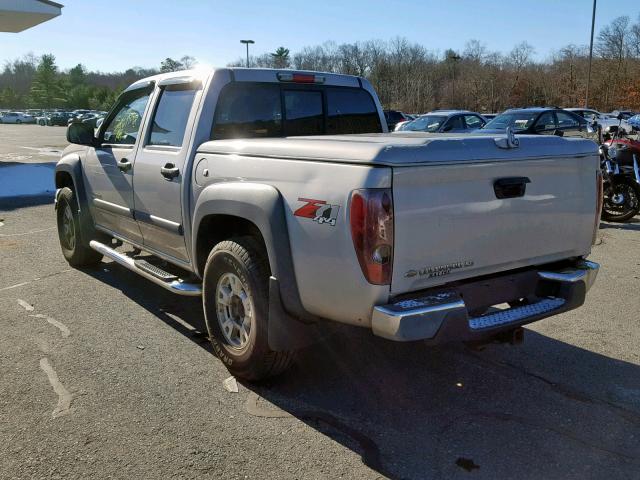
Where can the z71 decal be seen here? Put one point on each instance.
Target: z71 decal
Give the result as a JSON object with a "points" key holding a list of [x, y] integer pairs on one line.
{"points": [[318, 210]]}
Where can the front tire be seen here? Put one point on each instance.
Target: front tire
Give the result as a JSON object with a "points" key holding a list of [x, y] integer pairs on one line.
{"points": [[236, 305], [74, 248], [621, 200]]}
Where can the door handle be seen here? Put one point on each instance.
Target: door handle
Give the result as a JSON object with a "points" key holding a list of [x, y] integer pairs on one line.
{"points": [[510, 187], [169, 171], [124, 165]]}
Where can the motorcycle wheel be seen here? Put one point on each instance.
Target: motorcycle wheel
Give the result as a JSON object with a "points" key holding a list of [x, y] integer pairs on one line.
{"points": [[621, 201]]}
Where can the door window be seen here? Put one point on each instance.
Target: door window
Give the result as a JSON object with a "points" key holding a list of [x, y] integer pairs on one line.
{"points": [[124, 125], [546, 122], [473, 121], [170, 118], [454, 123], [566, 121]]}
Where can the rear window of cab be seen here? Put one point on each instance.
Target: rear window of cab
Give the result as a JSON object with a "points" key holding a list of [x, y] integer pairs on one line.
{"points": [[259, 110]]}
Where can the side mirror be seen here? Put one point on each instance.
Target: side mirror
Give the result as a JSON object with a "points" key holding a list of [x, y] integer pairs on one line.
{"points": [[539, 127], [620, 116], [80, 133], [447, 128], [558, 133]]}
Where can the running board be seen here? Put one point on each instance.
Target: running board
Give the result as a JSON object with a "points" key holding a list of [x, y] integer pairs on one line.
{"points": [[171, 283]]}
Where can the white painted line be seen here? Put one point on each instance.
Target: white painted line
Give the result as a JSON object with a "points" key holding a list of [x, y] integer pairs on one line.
{"points": [[64, 397], [26, 233], [27, 306], [35, 280], [59, 325]]}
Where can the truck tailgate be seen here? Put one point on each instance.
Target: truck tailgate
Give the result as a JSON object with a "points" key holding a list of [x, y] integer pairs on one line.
{"points": [[450, 225]]}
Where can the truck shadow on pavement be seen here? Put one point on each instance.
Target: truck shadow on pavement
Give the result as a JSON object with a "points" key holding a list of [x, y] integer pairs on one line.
{"points": [[545, 409], [633, 225]]}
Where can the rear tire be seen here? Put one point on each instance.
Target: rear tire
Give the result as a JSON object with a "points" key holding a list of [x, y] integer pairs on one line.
{"points": [[236, 305], [18, 122], [75, 249]]}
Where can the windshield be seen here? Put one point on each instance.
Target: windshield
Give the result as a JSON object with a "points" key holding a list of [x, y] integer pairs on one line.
{"points": [[426, 123], [515, 120]]}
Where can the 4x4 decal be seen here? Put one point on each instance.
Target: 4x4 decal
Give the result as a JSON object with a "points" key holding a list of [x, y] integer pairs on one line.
{"points": [[318, 210]]}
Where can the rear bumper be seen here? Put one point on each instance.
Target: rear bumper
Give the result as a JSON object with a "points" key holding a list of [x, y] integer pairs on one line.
{"points": [[444, 315]]}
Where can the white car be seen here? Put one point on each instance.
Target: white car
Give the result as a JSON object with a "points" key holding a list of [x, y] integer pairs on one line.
{"points": [[17, 117], [605, 121]]}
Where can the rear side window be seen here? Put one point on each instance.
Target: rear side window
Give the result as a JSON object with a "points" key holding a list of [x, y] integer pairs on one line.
{"points": [[248, 111], [303, 112], [170, 118], [351, 111]]}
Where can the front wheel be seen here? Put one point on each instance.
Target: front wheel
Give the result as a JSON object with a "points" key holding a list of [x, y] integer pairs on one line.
{"points": [[621, 200], [236, 305], [75, 250]]}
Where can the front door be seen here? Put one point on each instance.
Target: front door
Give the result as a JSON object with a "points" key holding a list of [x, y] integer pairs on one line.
{"points": [[160, 167], [109, 166]]}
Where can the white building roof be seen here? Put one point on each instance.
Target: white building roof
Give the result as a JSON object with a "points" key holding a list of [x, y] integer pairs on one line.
{"points": [[18, 15]]}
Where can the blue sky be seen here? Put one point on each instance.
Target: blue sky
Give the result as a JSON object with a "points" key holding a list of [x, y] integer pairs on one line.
{"points": [[112, 35]]}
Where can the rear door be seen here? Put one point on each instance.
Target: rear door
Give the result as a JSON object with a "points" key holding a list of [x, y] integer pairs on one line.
{"points": [[109, 166], [160, 164]]}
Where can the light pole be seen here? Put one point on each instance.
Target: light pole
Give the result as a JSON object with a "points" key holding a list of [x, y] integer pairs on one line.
{"points": [[593, 23], [247, 42]]}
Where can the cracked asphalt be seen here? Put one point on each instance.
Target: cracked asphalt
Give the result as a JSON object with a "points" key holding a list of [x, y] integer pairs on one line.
{"points": [[104, 375]]}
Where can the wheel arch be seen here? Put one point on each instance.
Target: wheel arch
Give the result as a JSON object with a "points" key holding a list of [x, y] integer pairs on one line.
{"points": [[227, 209]]}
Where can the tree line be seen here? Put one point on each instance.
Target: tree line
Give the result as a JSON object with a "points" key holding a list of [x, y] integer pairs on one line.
{"points": [[411, 78], [37, 82], [406, 75]]}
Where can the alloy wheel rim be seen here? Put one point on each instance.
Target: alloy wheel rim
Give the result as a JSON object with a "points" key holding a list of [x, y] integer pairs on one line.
{"points": [[234, 310], [68, 228]]}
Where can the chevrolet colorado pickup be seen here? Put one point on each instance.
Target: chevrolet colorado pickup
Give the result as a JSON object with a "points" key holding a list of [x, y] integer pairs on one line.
{"points": [[280, 198]]}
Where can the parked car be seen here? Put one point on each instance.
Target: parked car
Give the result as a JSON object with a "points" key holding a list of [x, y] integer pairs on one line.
{"points": [[634, 123], [17, 117], [298, 224], [624, 113], [603, 121], [393, 117], [442, 121], [541, 121]]}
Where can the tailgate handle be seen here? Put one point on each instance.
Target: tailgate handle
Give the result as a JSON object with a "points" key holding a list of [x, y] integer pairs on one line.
{"points": [[510, 187]]}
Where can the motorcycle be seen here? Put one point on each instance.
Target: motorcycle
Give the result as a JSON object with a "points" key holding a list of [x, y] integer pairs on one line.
{"points": [[621, 177]]}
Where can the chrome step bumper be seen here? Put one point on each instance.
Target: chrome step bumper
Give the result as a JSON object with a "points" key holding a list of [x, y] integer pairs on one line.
{"points": [[443, 315], [143, 269]]}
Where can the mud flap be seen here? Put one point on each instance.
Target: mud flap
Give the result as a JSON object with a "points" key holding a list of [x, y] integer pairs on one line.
{"points": [[286, 332]]}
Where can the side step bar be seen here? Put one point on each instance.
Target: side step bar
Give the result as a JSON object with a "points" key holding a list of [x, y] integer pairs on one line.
{"points": [[172, 284]]}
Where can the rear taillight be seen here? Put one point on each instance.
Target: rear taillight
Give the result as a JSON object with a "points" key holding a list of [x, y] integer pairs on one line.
{"points": [[371, 218], [599, 200]]}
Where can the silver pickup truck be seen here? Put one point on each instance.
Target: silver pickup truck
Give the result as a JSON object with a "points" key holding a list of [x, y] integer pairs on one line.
{"points": [[280, 198]]}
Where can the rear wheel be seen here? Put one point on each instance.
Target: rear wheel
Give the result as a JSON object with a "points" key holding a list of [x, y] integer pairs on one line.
{"points": [[621, 200], [18, 121], [236, 304], [74, 248]]}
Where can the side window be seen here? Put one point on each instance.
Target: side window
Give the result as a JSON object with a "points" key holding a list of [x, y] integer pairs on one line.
{"points": [[170, 118], [473, 121], [566, 121], [546, 122], [123, 127], [351, 111], [248, 111], [454, 123], [303, 112]]}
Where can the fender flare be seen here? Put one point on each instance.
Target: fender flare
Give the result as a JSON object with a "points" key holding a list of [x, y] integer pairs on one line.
{"points": [[263, 206]]}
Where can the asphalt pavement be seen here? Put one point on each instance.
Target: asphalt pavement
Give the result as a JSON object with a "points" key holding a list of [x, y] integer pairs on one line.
{"points": [[104, 375]]}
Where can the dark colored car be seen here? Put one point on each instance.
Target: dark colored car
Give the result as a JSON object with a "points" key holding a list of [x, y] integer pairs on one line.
{"points": [[393, 117], [443, 121], [541, 121], [58, 119]]}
